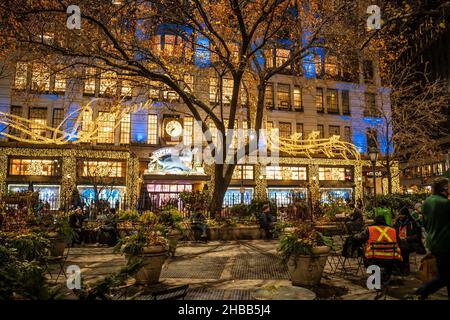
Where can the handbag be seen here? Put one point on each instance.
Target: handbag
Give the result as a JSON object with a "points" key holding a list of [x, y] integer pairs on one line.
{"points": [[428, 268]]}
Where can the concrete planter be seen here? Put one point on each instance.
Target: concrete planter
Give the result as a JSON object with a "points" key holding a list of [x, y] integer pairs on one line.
{"points": [[249, 233], [154, 258], [57, 245], [214, 233], [306, 270]]}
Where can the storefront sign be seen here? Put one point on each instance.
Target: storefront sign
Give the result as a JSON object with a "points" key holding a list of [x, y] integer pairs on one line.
{"points": [[174, 161]]}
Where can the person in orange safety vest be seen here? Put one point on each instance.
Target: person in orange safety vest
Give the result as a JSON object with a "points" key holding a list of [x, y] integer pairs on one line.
{"points": [[380, 232]]}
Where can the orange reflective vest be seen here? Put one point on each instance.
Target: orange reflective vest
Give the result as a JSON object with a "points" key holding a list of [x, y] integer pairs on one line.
{"points": [[384, 234]]}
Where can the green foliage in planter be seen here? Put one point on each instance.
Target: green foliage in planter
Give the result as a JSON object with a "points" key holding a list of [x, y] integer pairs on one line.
{"points": [[279, 228], [256, 206], [29, 246], [301, 241], [133, 246], [170, 218], [240, 210], [195, 200], [23, 279], [129, 215]]}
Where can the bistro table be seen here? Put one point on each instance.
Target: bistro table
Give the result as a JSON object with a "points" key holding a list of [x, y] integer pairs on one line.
{"points": [[283, 293]]}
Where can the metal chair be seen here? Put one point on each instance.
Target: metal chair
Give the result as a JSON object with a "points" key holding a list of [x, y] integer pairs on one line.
{"points": [[387, 264], [60, 261]]}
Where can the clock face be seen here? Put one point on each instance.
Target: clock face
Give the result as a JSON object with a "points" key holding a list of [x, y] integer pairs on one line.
{"points": [[174, 129]]}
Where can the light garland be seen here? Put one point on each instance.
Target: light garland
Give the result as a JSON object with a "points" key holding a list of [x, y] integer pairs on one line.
{"points": [[60, 137], [331, 147]]}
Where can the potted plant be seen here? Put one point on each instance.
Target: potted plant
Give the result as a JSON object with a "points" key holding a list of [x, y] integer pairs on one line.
{"points": [[60, 234], [170, 218], [148, 246], [305, 251]]}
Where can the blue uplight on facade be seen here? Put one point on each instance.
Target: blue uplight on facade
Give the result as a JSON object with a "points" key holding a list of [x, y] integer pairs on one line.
{"points": [[139, 126]]}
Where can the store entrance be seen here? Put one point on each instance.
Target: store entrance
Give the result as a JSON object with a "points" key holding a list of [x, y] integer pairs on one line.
{"points": [[158, 195]]}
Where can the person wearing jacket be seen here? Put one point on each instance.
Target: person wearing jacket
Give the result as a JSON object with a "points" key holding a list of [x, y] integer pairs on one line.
{"points": [[436, 220], [373, 253], [410, 237]]}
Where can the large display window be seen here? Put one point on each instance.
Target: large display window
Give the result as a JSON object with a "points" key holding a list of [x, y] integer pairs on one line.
{"points": [[47, 193]]}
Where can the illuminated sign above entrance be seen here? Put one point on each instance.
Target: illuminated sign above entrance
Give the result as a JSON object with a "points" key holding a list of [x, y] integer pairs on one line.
{"points": [[172, 161]]}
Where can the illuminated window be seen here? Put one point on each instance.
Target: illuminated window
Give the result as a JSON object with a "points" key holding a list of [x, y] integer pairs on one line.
{"points": [[113, 169], [269, 57], [319, 100], [285, 130], [331, 66], [16, 111], [321, 131], [108, 83], [371, 105], [269, 96], [125, 129], [188, 130], [227, 90], [86, 121], [335, 174], [242, 172], [156, 44], [345, 102], [188, 83], [213, 90], [126, 88], [40, 77], [334, 131], [286, 173], [152, 129], [60, 81], [297, 98], [283, 96], [38, 117], [332, 101], [169, 44], [106, 127], [58, 118], [282, 55], [348, 134], [319, 65], [153, 90], [21, 76], [168, 94], [89, 80], [34, 167]]}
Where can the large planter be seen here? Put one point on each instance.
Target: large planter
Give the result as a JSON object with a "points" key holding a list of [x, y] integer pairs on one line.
{"points": [[214, 233], [306, 270], [154, 258], [249, 233], [57, 245], [173, 238]]}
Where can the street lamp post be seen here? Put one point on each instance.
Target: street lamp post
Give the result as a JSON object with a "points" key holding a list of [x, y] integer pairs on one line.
{"points": [[373, 156]]}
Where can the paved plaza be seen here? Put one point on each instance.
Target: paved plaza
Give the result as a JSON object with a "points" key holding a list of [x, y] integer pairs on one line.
{"points": [[233, 270]]}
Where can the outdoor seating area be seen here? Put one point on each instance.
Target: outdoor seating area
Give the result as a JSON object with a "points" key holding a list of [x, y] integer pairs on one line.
{"points": [[154, 255]]}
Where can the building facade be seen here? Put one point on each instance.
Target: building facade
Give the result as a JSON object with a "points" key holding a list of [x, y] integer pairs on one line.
{"points": [[127, 160]]}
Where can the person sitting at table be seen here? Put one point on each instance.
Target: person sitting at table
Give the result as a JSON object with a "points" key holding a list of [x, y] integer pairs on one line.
{"points": [[198, 222], [108, 229], [355, 221], [76, 223], [266, 221]]}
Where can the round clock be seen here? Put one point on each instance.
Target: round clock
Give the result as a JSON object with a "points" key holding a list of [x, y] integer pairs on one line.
{"points": [[174, 128]]}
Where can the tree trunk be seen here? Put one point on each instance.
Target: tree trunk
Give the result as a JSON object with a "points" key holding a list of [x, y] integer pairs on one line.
{"points": [[222, 180]]}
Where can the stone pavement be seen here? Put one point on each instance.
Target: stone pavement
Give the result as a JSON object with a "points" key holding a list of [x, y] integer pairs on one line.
{"points": [[221, 270]]}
